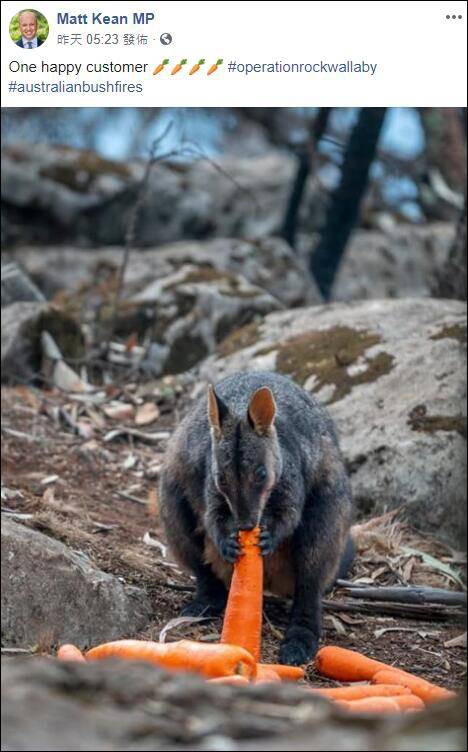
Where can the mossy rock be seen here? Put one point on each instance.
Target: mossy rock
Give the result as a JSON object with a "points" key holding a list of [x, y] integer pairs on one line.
{"points": [[80, 173], [452, 331], [328, 354]]}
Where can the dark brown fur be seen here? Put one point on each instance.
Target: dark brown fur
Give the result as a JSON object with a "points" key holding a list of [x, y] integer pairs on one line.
{"points": [[260, 450]]}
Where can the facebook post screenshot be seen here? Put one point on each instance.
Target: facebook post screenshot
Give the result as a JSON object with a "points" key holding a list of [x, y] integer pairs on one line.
{"points": [[234, 289]]}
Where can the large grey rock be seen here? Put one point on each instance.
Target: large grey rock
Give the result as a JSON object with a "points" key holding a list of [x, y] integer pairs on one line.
{"points": [[51, 592], [17, 286], [398, 263], [393, 376], [184, 297], [47, 705], [187, 313], [269, 263], [21, 327], [59, 192]]}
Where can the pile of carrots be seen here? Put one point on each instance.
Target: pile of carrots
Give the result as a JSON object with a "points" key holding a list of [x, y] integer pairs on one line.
{"points": [[236, 658]]}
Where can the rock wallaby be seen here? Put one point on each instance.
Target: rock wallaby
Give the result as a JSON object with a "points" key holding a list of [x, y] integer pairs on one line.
{"points": [[260, 450]]}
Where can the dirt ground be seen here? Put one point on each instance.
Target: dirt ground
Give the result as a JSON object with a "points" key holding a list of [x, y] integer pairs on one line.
{"points": [[71, 478]]}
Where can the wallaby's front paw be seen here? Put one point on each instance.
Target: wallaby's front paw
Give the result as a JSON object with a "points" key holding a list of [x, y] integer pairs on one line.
{"points": [[298, 649], [267, 542], [229, 548]]}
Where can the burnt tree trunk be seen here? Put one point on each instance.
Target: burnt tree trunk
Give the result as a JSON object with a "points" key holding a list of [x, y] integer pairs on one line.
{"points": [[343, 210], [305, 166]]}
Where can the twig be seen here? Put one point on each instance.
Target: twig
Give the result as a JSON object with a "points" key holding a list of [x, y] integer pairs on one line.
{"points": [[132, 224], [429, 612], [131, 497], [410, 594]]}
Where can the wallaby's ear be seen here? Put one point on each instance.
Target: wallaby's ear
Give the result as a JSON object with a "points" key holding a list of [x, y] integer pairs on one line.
{"points": [[261, 411], [217, 410]]}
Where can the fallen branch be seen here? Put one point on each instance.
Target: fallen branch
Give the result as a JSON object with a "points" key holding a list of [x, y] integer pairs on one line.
{"points": [[426, 612], [410, 594]]}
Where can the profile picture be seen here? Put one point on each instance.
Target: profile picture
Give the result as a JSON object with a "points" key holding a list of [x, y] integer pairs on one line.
{"points": [[29, 29]]}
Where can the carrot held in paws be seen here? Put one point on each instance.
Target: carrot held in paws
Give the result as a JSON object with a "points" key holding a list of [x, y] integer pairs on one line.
{"points": [[423, 689], [211, 661], [70, 653], [243, 618], [346, 665]]}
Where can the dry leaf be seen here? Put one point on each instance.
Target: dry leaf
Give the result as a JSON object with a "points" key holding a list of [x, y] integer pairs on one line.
{"points": [[119, 411], [155, 543], [27, 395], [65, 379], [146, 414], [179, 622], [49, 495], [456, 642], [131, 342], [337, 625], [49, 479]]}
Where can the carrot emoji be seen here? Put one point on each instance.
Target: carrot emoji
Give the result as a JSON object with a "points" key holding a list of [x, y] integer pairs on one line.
{"points": [[178, 67], [423, 689], [243, 618], [214, 67], [211, 661], [196, 67], [160, 67], [70, 653]]}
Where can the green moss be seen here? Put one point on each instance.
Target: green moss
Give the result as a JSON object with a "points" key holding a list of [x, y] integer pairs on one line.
{"points": [[419, 420], [244, 337], [80, 172], [327, 355], [453, 331], [232, 286], [65, 331]]}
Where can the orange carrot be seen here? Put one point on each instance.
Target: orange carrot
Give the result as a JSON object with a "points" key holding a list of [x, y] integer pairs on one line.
{"points": [[285, 673], [346, 665], [266, 675], [423, 689], [234, 679], [361, 691], [214, 67], [211, 661], [371, 705], [243, 618], [160, 67], [70, 653], [196, 67], [178, 67]]}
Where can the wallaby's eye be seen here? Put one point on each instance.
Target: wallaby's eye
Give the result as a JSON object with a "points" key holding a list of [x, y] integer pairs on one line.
{"points": [[260, 474]]}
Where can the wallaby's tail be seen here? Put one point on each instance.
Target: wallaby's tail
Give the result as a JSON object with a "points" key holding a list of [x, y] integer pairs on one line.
{"points": [[347, 559], [345, 563]]}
